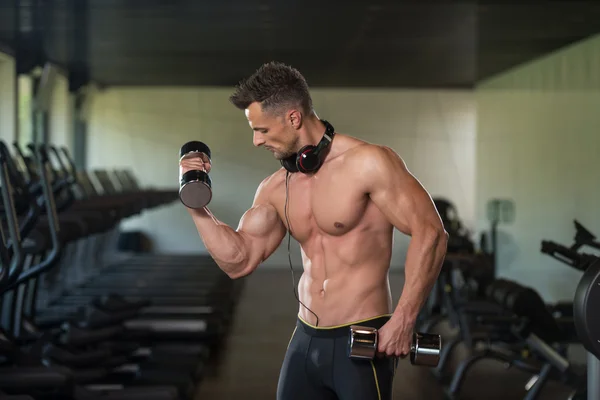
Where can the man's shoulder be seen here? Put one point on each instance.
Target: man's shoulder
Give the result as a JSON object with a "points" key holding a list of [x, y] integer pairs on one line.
{"points": [[272, 182], [276, 178], [365, 151], [369, 162]]}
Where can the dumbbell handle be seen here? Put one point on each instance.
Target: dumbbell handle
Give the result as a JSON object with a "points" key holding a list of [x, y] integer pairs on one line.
{"points": [[201, 155]]}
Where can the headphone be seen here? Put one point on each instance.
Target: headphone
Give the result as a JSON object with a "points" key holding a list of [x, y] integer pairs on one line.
{"points": [[310, 158]]}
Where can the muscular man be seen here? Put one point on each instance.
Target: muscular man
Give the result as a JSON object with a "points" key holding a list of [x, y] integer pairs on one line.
{"points": [[343, 215]]}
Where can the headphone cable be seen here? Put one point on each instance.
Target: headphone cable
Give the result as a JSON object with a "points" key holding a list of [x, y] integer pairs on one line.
{"points": [[287, 175]]}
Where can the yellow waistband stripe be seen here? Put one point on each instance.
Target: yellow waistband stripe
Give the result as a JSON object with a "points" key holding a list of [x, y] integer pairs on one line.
{"points": [[346, 324], [292, 337], [376, 380]]}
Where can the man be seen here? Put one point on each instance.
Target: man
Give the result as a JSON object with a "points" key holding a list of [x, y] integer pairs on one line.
{"points": [[343, 214]]}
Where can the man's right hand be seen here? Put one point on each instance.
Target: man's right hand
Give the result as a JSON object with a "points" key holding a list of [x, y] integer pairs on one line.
{"points": [[194, 162]]}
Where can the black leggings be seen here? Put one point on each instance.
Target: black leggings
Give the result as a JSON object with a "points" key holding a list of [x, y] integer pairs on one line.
{"points": [[317, 367]]}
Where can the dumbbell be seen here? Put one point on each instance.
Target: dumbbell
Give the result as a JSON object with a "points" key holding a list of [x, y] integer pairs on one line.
{"points": [[195, 186], [424, 350]]}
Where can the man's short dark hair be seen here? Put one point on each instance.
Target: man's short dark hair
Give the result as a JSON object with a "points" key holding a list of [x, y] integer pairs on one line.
{"points": [[276, 87]]}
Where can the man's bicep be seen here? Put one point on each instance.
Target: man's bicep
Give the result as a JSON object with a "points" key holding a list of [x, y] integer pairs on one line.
{"points": [[399, 194], [261, 226], [262, 222]]}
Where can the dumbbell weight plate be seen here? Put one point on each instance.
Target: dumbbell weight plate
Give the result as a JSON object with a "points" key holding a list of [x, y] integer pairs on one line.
{"points": [[425, 349], [362, 342], [194, 147], [195, 191]]}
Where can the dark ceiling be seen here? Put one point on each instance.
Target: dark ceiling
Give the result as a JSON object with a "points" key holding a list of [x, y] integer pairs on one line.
{"points": [[334, 43]]}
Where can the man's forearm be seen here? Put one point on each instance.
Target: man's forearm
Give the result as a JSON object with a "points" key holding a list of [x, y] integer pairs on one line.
{"points": [[224, 244], [424, 259]]}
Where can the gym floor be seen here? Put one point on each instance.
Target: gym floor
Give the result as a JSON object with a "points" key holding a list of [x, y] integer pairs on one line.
{"points": [[264, 321]]}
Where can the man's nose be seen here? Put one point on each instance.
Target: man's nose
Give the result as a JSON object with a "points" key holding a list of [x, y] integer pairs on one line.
{"points": [[257, 139]]}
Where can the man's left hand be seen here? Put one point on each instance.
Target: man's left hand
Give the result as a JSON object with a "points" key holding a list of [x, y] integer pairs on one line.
{"points": [[395, 337]]}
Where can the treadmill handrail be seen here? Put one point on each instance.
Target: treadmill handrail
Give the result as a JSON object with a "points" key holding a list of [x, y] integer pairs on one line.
{"points": [[16, 258], [54, 226], [30, 172], [67, 174], [25, 193], [70, 161]]}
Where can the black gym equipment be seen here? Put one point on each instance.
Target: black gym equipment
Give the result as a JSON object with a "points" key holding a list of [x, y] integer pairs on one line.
{"points": [[81, 322], [29, 374], [459, 238], [586, 299], [193, 320], [464, 274], [504, 320], [584, 237], [524, 335], [195, 186]]}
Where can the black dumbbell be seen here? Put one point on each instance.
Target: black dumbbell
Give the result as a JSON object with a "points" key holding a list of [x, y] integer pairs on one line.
{"points": [[424, 350], [195, 186]]}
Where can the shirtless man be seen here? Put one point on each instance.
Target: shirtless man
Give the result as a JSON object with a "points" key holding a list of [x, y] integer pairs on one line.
{"points": [[343, 215]]}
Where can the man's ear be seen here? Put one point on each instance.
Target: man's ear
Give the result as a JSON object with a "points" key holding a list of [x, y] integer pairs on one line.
{"points": [[295, 119]]}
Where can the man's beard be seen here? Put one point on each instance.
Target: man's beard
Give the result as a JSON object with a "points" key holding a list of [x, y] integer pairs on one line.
{"points": [[282, 155], [285, 153]]}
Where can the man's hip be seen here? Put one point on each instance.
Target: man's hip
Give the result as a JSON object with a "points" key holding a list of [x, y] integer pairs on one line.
{"points": [[317, 366]]}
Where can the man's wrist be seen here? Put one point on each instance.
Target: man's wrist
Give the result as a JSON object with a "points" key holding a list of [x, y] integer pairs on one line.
{"points": [[198, 212], [406, 311]]}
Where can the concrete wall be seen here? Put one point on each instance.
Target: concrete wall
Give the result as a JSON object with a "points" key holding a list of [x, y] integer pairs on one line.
{"points": [[434, 131], [7, 98], [60, 123], [61, 114], [538, 142]]}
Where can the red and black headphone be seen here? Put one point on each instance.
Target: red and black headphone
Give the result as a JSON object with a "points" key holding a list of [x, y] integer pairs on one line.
{"points": [[310, 158]]}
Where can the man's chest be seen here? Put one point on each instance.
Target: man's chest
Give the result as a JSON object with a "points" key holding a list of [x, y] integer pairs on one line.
{"points": [[326, 203]]}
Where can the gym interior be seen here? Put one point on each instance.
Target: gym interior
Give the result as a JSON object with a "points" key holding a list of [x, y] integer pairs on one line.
{"points": [[107, 290]]}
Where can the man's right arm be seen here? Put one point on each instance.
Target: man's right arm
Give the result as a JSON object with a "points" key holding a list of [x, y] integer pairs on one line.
{"points": [[239, 252]]}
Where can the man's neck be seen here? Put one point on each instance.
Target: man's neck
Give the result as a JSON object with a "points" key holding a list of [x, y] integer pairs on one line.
{"points": [[313, 133]]}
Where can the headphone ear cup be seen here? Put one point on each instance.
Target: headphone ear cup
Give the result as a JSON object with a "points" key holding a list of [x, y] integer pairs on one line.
{"points": [[307, 161], [289, 163]]}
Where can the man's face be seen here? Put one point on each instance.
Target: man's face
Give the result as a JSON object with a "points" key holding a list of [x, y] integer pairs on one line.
{"points": [[272, 132]]}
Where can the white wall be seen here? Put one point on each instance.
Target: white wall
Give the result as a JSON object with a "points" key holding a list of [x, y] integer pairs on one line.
{"points": [[61, 114], [434, 131], [538, 142], [7, 99]]}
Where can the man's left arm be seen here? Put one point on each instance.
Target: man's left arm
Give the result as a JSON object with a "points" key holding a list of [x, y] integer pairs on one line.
{"points": [[408, 206]]}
